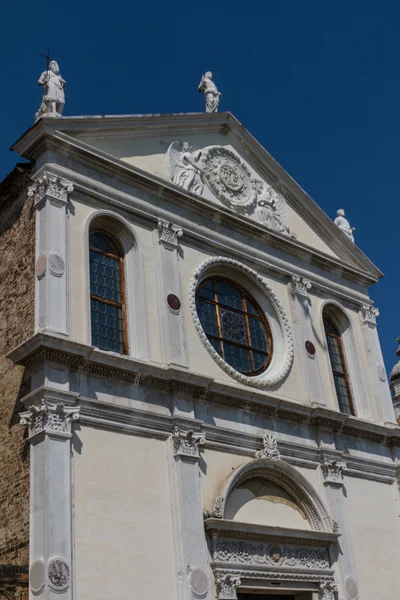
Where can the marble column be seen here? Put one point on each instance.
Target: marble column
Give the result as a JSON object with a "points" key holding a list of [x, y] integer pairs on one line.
{"points": [[305, 339], [332, 471], [50, 194], [170, 295], [193, 570], [49, 417], [377, 366]]}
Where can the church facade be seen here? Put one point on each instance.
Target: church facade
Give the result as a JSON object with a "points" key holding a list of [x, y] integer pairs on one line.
{"points": [[193, 353]]}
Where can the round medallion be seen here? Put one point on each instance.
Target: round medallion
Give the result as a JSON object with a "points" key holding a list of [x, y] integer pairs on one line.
{"points": [[173, 302], [56, 264], [36, 576], [58, 573], [41, 266], [351, 588], [275, 554], [228, 178], [199, 582], [310, 348]]}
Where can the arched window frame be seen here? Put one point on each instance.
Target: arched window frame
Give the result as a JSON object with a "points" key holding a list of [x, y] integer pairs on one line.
{"points": [[335, 333], [121, 231], [118, 257], [352, 341]]}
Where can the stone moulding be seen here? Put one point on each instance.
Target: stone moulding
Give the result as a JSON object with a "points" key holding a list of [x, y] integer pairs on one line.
{"points": [[268, 378], [43, 347]]}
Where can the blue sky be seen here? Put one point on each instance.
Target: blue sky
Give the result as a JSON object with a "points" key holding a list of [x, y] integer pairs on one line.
{"points": [[316, 83]]}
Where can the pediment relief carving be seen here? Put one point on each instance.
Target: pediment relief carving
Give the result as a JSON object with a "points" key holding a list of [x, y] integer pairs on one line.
{"points": [[229, 179]]}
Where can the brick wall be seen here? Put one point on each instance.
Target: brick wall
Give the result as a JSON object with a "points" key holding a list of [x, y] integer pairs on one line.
{"points": [[17, 238]]}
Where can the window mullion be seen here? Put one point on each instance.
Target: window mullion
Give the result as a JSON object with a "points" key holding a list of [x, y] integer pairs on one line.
{"points": [[219, 325]]}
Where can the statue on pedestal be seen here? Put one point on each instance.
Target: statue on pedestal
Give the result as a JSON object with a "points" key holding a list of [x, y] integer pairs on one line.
{"points": [[344, 225], [53, 92], [211, 94]]}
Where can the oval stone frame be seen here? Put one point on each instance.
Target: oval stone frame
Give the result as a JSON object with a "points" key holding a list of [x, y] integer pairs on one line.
{"points": [[282, 358]]}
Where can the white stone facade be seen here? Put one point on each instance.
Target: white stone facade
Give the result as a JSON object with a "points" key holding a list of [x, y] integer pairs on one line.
{"points": [[165, 471]]}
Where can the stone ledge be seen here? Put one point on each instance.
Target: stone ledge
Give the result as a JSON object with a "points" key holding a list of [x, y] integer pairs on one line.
{"points": [[42, 348]]}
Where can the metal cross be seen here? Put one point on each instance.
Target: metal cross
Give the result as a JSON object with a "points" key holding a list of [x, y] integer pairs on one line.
{"points": [[48, 59]]}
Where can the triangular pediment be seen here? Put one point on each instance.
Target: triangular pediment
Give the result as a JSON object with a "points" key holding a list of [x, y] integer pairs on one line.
{"points": [[214, 157]]}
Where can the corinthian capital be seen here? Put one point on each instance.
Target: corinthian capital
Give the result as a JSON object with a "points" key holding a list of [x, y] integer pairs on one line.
{"points": [[186, 443], [226, 586], [300, 286], [49, 417], [327, 589], [369, 314], [169, 233], [51, 187], [333, 470]]}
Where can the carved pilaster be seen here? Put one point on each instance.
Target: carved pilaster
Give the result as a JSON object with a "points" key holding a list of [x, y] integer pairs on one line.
{"points": [[369, 314], [186, 443], [333, 471], [168, 233], [327, 590], [50, 418], [300, 287], [270, 449], [50, 187], [226, 587]]}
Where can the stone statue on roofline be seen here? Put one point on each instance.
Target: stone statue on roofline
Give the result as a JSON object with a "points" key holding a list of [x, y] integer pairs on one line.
{"points": [[53, 92], [211, 94], [344, 225]]}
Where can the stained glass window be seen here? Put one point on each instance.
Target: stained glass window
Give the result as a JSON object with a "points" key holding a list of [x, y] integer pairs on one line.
{"points": [[339, 368], [234, 325], [107, 294]]}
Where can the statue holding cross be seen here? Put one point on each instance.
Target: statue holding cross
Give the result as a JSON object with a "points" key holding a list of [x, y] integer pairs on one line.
{"points": [[53, 92]]}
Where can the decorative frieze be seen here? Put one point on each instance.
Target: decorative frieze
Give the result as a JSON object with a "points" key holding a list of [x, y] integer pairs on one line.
{"points": [[52, 187], [49, 417], [226, 586], [264, 553], [270, 449], [186, 443], [333, 470], [300, 286], [169, 233], [369, 314]]}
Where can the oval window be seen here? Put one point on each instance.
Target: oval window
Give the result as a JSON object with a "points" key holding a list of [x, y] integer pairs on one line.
{"points": [[235, 325]]}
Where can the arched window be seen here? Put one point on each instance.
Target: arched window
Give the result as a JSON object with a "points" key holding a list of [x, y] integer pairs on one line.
{"points": [[107, 294], [339, 367], [235, 325]]}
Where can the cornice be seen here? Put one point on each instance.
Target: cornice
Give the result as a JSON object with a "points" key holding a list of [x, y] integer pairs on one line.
{"points": [[45, 136], [45, 348], [235, 529]]}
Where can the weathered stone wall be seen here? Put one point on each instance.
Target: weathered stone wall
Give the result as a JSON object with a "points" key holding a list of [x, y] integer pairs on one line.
{"points": [[17, 251]]}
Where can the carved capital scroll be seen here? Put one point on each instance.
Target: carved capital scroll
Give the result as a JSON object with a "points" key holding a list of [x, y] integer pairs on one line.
{"points": [[49, 417], [226, 587], [168, 233], [50, 187], [369, 314], [300, 287], [186, 443], [333, 470]]}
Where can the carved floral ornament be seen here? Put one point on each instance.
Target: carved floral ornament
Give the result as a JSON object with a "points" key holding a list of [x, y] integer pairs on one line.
{"points": [[333, 470], [300, 286], [49, 417], [169, 233], [281, 331], [230, 180], [50, 186], [270, 449], [369, 314]]}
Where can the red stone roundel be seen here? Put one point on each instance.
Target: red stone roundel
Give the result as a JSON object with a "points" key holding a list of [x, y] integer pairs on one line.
{"points": [[173, 302]]}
